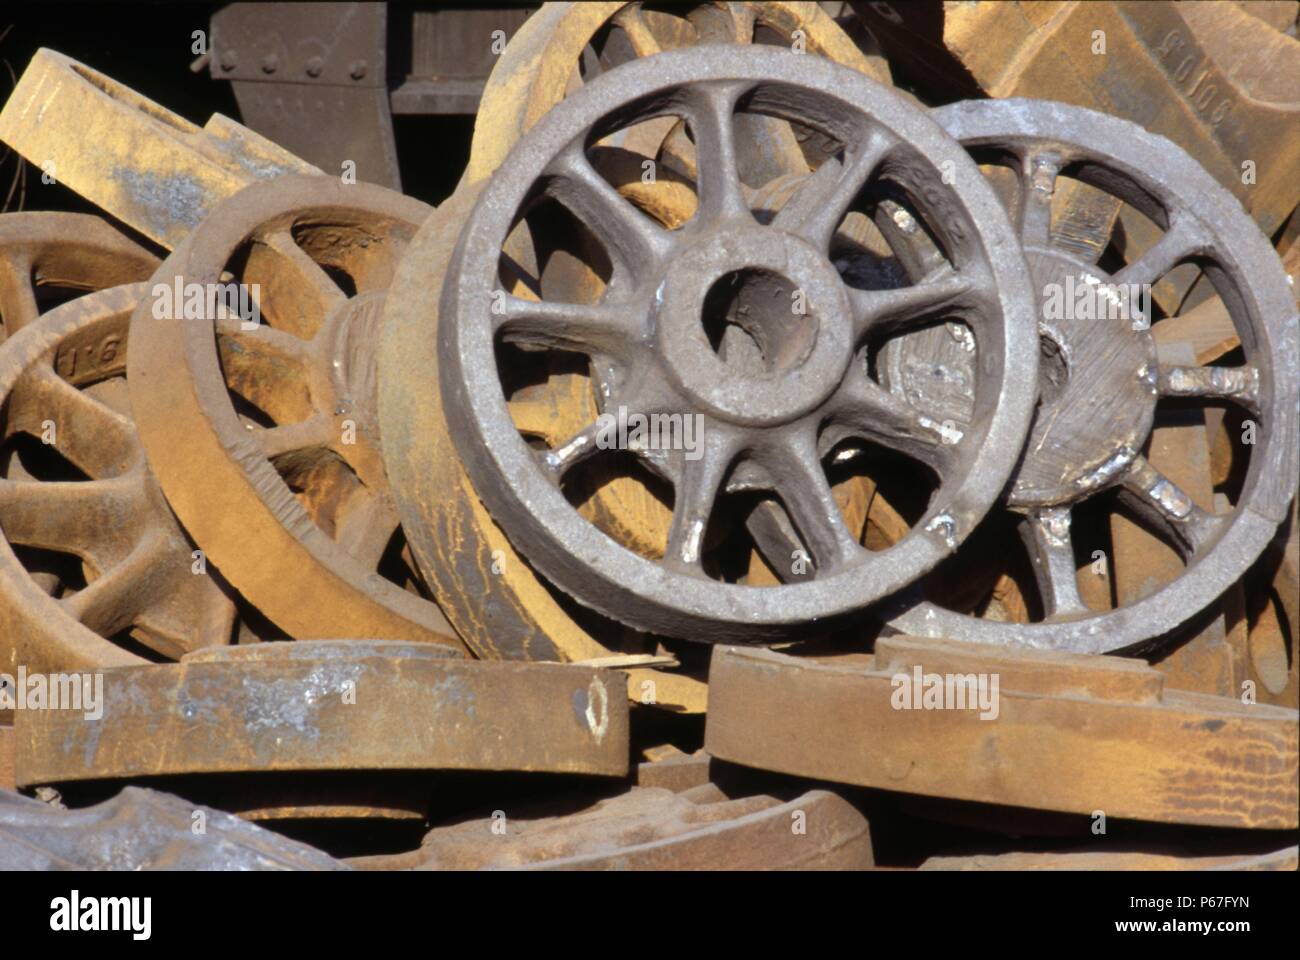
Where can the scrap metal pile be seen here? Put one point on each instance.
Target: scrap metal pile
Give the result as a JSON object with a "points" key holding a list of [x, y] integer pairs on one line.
{"points": [[810, 436]]}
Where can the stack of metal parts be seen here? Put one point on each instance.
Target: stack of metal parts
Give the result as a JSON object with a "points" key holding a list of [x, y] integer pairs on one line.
{"points": [[737, 399]]}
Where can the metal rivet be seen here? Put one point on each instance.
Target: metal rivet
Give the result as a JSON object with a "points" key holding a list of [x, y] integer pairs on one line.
{"points": [[270, 63], [314, 66], [358, 69]]}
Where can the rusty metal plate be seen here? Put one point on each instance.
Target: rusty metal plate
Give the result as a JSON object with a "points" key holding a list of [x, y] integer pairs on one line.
{"points": [[342, 705], [263, 434], [143, 830], [563, 45], [650, 828], [761, 426], [152, 169], [57, 254], [92, 561], [453, 50], [1278, 860], [1059, 731], [1100, 392], [497, 604]]}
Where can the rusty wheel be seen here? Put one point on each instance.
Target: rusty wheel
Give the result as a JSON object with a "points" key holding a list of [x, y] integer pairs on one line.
{"points": [[44, 254], [92, 562], [564, 45], [263, 435], [746, 331]]}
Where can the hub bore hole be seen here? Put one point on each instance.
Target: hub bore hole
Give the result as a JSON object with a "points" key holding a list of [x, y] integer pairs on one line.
{"points": [[759, 322]]}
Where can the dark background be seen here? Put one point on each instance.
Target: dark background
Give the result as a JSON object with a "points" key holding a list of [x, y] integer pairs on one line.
{"points": [[147, 46]]}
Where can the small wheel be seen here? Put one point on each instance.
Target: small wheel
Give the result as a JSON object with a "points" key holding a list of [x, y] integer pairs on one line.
{"points": [[263, 433]]}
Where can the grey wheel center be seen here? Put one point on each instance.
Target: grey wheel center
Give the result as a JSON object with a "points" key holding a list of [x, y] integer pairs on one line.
{"points": [[754, 326], [1097, 379]]}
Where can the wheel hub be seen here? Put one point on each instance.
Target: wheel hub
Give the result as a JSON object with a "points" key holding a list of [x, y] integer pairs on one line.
{"points": [[754, 326], [1097, 378]]}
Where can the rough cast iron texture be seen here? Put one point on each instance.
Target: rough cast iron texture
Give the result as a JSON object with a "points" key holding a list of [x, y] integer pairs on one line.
{"points": [[761, 431], [61, 252], [536, 69], [332, 705], [147, 166], [1068, 732], [651, 828], [128, 568], [143, 830], [307, 560], [1092, 425]]}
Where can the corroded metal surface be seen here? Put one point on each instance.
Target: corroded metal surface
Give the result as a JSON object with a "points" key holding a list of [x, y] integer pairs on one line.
{"points": [[1097, 416], [650, 828], [1071, 733], [496, 602], [150, 168], [551, 55], [1213, 79], [143, 830], [345, 705], [90, 554], [263, 433], [760, 426], [1278, 860], [313, 80], [874, 423], [42, 253]]}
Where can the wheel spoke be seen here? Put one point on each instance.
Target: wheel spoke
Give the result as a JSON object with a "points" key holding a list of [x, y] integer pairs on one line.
{"points": [[630, 21], [694, 498], [800, 482], [367, 530], [1038, 172], [314, 433], [17, 296], [709, 110], [63, 514], [308, 277], [892, 311], [112, 602], [560, 460], [1155, 496], [870, 411], [93, 436], [1180, 242], [266, 342], [1239, 384], [723, 22], [635, 240], [817, 208], [591, 329], [1046, 533]]}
